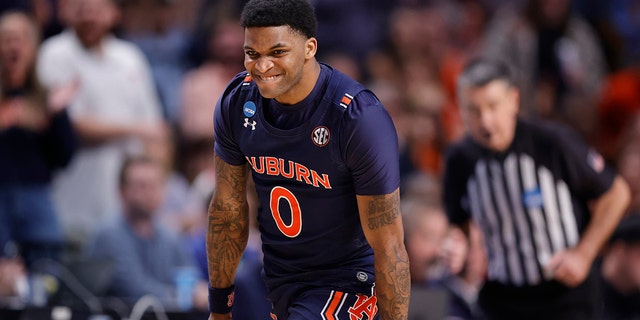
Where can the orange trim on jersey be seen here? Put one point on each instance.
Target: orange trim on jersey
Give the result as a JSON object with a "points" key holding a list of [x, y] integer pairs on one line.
{"points": [[247, 78], [332, 309], [346, 100]]}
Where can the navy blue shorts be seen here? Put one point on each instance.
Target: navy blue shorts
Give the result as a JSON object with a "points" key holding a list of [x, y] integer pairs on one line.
{"points": [[326, 304]]}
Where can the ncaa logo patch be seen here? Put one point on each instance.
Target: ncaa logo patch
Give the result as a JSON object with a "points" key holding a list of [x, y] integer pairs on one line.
{"points": [[320, 136], [249, 109]]}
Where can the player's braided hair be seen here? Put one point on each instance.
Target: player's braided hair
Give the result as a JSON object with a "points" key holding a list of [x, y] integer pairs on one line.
{"points": [[297, 14]]}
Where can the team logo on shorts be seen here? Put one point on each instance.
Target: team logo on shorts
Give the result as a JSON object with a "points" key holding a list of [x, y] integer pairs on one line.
{"points": [[366, 307], [360, 306], [320, 136]]}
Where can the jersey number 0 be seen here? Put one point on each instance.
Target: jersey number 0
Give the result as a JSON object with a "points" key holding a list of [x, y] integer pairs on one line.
{"points": [[293, 229]]}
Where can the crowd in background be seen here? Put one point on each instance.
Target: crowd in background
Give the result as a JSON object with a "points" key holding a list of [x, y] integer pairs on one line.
{"points": [[89, 85]]}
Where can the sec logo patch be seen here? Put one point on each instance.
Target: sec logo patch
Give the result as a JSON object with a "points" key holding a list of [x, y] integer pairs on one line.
{"points": [[320, 136]]}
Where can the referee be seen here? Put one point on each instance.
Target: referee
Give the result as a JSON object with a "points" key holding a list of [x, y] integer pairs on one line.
{"points": [[544, 200]]}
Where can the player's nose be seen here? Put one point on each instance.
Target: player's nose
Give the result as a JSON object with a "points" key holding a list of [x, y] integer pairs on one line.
{"points": [[263, 64]]}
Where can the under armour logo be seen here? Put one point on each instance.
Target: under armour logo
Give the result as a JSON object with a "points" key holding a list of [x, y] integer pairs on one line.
{"points": [[247, 123]]}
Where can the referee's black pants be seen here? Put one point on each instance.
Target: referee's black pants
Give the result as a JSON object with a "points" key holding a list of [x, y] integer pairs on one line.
{"points": [[547, 301]]}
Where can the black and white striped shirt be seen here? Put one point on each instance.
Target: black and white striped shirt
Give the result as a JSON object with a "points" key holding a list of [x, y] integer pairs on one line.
{"points": [[530, 201]]}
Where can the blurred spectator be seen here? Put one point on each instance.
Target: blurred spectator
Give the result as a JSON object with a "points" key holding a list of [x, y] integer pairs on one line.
{"points": [[183, 203], [146, 256], [426, 229], [345, 63], [466, 284], [411, 42], [467, 20], [411, 63], [423, 186], [496, 5], [437, 255], [597, 14], [164, 42], [618, 107], [209, 13], [200, 89], [115, 111], [624, 18], [620, 272], [204, 85], [353, 27], [17, 5], [557, 59], [36, 138], [425, 136], [628, 162], [13, 278], [45, 13]]}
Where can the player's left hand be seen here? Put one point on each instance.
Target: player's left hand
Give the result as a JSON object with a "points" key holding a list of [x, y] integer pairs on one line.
{"points": [[569, 267]]}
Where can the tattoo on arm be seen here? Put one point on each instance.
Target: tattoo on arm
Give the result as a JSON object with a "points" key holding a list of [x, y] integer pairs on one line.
{"points": [[383, 227], [382, 211], [393, 284], [228, 227]]}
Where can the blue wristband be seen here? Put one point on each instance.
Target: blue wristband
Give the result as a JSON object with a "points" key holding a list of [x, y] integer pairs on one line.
{"points": [[221, 300]]}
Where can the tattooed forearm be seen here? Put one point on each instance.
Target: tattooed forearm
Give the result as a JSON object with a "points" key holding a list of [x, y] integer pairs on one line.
{"points": [[226, 240], [228, 227], [382, 225], [393, 284], [383, 210]]}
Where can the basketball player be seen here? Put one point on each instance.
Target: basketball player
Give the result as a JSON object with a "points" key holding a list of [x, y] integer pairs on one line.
{"points": [[323, 153]]}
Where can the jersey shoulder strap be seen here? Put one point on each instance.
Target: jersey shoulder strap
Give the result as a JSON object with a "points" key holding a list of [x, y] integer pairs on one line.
{"points": [[236, 90], [342, 89]]}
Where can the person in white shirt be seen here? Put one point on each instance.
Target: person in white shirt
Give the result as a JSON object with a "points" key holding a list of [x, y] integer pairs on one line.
{"points": [[115, 112]]}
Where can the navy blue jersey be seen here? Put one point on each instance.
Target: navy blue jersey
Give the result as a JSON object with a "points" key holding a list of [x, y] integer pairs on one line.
{"points": [[307, 175]]}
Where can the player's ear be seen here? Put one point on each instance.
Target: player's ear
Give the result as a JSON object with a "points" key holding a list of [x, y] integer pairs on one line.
{"points": [[310, 47]]}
